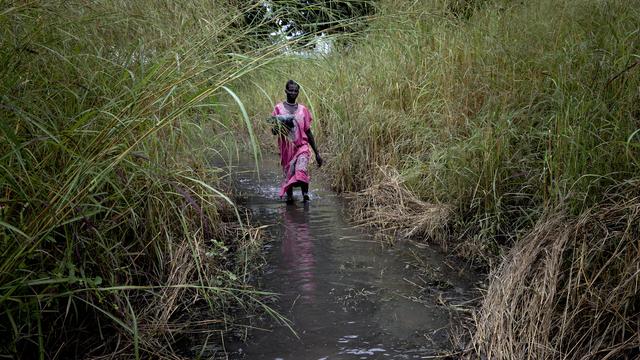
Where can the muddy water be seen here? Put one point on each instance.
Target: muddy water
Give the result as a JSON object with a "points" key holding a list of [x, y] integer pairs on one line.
{"points": [[347, 297]]}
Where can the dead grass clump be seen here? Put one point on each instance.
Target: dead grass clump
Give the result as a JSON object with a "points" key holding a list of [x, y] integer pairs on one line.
{"points": [[568, 290], [194, 298], [389, 206]]}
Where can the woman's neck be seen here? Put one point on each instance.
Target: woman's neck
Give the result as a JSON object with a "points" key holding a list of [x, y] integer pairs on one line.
{"points": [[291, 108]]}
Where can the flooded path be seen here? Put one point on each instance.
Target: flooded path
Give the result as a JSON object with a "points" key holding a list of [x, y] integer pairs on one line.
{"points": [[347, 297]]}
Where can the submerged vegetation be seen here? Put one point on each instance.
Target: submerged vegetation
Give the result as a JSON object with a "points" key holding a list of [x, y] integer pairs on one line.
{"points": [[508, 132]]}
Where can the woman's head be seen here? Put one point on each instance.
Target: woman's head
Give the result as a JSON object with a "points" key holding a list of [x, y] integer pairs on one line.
{"points": [[291, 89]]}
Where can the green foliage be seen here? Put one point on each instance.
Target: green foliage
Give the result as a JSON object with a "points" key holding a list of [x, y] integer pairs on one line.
{"points": [[109, 213], [297, 18], [510, 109], [505, 124]]}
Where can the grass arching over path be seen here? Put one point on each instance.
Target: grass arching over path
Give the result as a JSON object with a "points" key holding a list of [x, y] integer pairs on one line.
{"points": [[494, 122], [116, 235]]}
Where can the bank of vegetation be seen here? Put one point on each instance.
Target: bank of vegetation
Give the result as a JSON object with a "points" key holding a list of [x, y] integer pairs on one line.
{"points": [[507, 131], [117, 237]]}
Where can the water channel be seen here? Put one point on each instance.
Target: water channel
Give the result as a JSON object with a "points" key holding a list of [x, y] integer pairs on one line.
{"points": [[346, 295]]}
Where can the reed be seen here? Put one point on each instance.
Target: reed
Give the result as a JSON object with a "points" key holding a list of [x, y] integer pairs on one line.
{"points": [[502, 113], [486, 117], [113, 226]]}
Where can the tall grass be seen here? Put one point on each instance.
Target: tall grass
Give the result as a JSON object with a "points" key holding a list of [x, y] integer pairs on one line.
{"points": [[518, 107], [496, 114], [113, 226]]}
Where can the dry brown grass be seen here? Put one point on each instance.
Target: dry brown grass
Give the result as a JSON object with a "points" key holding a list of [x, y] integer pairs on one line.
{"points": [[182, 307], [568, 290], [389, 206]]}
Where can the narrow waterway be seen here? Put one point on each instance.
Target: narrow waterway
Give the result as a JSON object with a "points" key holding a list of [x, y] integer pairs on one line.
{"points": [[346, 295]]}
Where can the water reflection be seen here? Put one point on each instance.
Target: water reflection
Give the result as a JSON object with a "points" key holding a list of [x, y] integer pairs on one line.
{"points": [[357, 301], [297, 251]]}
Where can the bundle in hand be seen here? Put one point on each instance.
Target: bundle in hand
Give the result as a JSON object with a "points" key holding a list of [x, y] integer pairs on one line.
{"points": [[282, 124]]}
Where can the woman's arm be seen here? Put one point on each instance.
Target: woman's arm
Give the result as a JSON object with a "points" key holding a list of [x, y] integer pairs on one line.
{"points": [[312, 142]]}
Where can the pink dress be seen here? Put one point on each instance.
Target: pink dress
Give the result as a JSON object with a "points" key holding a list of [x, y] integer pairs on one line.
{"points": [[294, 148]]}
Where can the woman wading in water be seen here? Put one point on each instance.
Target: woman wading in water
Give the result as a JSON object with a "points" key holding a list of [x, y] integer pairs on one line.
{"points": [[294, 143]]}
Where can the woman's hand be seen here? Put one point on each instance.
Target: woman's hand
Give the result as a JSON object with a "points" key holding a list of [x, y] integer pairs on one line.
{"points": [[319, 160]]}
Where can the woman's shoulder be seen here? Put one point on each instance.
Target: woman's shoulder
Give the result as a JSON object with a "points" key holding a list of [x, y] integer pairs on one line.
{"points": [[278, 107], [304, 109]]}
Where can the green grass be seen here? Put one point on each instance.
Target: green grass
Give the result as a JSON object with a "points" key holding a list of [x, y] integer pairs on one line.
{"points": [[113, 226], [503, 113], [491, 113], [491, 125]]}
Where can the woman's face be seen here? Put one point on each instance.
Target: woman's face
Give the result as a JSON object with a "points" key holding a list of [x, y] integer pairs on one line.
{"points": [[292, 92]]}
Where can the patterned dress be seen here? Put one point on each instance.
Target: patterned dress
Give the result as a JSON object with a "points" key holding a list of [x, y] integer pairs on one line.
{"points": [[294, 147]]}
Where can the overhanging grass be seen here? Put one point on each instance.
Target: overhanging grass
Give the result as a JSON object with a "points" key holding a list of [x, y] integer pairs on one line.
{"points": [[518, 107], [504, 112], [113, 226]]}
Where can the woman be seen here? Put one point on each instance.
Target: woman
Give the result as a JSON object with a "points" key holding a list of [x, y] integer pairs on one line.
{"points": [[294, 144]]}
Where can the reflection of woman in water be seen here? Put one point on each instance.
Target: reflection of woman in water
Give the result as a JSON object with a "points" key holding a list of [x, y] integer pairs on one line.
{"points": [[297, 251], [294, 144]]}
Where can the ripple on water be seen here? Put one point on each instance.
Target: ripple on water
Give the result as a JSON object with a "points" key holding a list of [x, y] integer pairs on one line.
{"points": [[363, 351], [333, 279]]}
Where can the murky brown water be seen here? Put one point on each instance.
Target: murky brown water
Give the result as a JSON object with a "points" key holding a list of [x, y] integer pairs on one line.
{"points": [[347, 296]]}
